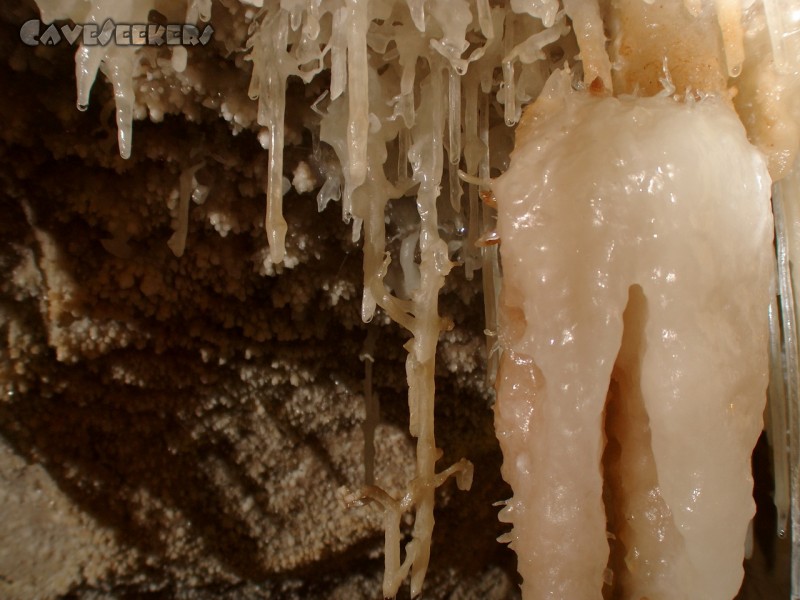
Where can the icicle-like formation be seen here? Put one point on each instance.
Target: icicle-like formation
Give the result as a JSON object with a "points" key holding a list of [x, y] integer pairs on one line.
{"points": [[419, 314], [776, 419], [120, 64], [785, 202], [304, 37], [473, 152], [413, 79], [186, 187], [350, 31], [588, 25], [273, 66], [454, 134], [490, 259], [729, 16], [357, 92]]}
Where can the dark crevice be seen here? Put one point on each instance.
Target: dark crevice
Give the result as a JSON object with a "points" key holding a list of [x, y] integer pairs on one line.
{"points": [[626, 431], [612, 488]]}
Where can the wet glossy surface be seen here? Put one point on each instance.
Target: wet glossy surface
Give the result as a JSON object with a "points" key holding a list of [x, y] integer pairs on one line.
{"points": [[636, 249]]}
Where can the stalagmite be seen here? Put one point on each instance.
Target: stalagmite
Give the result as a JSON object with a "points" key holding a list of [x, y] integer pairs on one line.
{"points": [[631, 207]]}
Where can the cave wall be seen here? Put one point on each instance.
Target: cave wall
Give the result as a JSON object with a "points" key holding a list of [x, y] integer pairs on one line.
{"points": [[178, 427]]}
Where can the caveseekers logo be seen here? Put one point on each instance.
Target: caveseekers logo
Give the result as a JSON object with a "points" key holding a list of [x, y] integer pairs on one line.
{"points": [[34, 33]]}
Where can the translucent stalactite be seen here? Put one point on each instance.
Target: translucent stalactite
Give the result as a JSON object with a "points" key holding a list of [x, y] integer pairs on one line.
{"points": [[454, 138], [729, 16], [589, 30], [269, 86], [357, 92], [187, 183]]}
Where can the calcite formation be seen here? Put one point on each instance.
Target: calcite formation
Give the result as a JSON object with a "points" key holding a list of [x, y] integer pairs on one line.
{"points": [[195, 341], [181, 425]]}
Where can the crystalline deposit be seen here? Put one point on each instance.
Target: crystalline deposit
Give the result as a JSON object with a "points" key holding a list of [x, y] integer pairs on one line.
{"points": [[637, 251]]}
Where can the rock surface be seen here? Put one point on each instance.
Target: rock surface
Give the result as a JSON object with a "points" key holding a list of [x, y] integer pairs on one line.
{"points": [[179, 426]]}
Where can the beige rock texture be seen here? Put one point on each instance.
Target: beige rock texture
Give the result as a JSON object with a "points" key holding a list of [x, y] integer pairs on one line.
{"points": [[178, 427]]}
